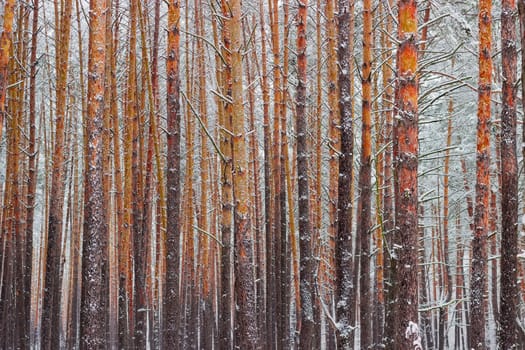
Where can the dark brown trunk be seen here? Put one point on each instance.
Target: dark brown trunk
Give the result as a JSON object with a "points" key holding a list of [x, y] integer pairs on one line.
{"points": [[345, 292], [309, 338], [507, 334], [51, 332], [32, 166], [171, 308]]}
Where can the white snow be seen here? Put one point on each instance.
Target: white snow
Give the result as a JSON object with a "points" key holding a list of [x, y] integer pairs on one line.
{"points": [[412, 332]]}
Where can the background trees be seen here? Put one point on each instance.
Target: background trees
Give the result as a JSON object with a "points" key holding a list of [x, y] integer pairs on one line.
{"points": [[190, 179]]}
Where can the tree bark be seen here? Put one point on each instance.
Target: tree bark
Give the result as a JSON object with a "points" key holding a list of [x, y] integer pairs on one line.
{"points": [[5, 53], [478, 284], [32, 165], [51, 331], [309, 328], [364, 185], [405, 240], [507, 334], [94, 253], [345, 292], [226, 223], [246, 336], [171, 307]]}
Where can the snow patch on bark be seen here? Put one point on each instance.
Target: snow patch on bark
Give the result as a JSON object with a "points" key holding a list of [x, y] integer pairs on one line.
{"points": [[412, 333]]}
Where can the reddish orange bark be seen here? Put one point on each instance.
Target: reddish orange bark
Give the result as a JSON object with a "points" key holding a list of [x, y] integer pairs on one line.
{"points": [[405, 242], [5, 53], [478, 289]]}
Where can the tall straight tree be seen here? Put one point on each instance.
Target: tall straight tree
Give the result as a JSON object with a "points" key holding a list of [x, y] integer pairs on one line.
{"points": [[478, 284], [309, 337], [51, 305], [507, 332], [276, 243], [94, 304], [33, 160], [388, 212], [364, 185], [345, 290], [225, 109], [246, 336], [405, 240], [171, 309]]}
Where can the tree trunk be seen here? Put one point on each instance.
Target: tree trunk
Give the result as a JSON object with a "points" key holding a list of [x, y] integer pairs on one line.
{"points": [[171, 307], [364, 185], [345, 292], [276, 242], [507, 335], [225, 123], [94, 253], [265, 316], [478, 284], [32, 166], [51, 305], [246, 336], [5, 53], [405, 241], [309, 329]]}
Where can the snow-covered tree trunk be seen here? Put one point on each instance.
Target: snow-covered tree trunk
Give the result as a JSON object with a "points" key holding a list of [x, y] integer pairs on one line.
{"points": [[344, 288]]}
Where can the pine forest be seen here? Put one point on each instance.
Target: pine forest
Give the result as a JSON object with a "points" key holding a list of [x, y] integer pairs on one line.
{"points": [[262, 174]]}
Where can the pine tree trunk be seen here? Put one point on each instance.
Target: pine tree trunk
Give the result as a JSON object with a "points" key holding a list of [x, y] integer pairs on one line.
{"points": [[309, 338], [276, 242], [51, 332], [388, 207], [246, 332], [507, 335], [264, 315], [5, 53], [255, 189], [364, 185], [94, 306], [171, 307], [345, 292], [32, 166], [405, 241], [478, 284]]}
